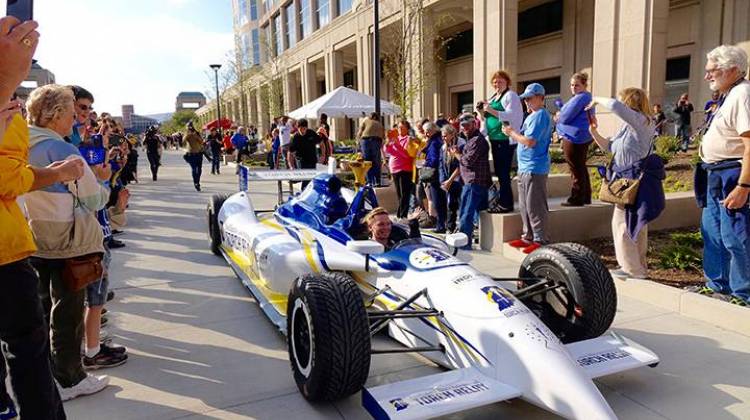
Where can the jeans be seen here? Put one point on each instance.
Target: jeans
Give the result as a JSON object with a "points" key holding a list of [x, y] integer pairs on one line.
{"points": [[473, 199], [575, 156], [154, 163], [404, 187], [439, 204], [370, 147], [682, 131], [453, 198], [195, 160], [25, 342], [64, 309], [726, 248], [502, 159], [215, 161]]}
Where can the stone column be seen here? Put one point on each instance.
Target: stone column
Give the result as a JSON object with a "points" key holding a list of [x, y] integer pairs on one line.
{"points": [[630, 47], [309, 81], [263, 123], [252, 106], [424, 70], [334, 64], [285, 76], [578, 33], [364, 64], [495, 41]]}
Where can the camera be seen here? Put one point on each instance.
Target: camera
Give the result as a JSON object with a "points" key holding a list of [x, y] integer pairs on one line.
{"points": [[480, 105]]}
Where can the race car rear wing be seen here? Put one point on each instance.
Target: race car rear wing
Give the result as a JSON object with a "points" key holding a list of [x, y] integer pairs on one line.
{"points": [[247, 174], [611, 353], [435, 395]]}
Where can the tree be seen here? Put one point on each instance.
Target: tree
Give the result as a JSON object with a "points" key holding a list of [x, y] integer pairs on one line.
{"points": [[178, 122]]}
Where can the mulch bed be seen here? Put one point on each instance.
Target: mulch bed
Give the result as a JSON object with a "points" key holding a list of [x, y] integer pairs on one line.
{"points": [[656, 240]]}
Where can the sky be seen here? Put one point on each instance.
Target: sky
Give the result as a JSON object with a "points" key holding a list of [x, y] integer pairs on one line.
{"points": [[139, 52]]}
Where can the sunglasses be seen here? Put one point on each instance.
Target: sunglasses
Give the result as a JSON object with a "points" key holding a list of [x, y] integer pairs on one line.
{"points": [[83, 107]]}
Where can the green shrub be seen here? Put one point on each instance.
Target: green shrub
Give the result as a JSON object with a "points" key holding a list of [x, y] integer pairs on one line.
{"points": [[596, 183], [688, 239], [667, 144], [680, 257]]}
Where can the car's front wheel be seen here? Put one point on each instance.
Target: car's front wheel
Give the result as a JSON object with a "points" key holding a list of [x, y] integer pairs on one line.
{"points": [[214, 230], [328, 336], [584, 303]]}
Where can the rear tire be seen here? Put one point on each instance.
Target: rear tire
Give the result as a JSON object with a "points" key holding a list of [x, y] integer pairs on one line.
{"points": [[328, 336], [214, 230], [585, 304]]}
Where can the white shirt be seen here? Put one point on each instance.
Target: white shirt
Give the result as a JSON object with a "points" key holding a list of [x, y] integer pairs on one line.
{"points": [[513, 112], [285, 134], [722, 141]]}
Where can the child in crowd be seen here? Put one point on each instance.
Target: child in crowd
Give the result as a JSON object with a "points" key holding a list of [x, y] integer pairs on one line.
{"points": [[533, 169]]}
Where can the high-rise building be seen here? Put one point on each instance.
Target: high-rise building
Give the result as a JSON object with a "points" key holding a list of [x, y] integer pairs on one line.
{"points": [[452, 47], [127, 114]]}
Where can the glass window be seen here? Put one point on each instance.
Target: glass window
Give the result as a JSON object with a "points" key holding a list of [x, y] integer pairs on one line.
{"points": [[460, 45], [291, 27], [304, 18], [543, 19], [551, 90], [278, 33], [242, 9], [253, 9], [246, 50], [324, 12], [345, 6], [256, 46], [678, 68]]}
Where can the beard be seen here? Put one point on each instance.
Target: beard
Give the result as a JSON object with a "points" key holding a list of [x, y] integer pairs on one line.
{"points": [[713, 85]]}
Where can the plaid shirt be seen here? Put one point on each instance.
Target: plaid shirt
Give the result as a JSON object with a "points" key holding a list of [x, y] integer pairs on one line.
{"points": [[475, 161]]}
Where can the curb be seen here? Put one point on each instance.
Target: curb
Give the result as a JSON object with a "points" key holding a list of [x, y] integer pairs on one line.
{"points": [[707, 309]]}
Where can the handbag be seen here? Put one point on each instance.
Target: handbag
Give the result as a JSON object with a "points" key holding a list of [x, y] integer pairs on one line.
{"points": [[79, 272], [620, 191]]}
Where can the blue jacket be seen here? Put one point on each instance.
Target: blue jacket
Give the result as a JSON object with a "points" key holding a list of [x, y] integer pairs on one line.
{"points": [[239, 141], [572, 123], [432, 151], [650, 201]]}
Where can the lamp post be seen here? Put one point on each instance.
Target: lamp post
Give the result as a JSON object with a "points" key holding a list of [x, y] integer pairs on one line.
{"points": [[376, 54], [216, 68]]}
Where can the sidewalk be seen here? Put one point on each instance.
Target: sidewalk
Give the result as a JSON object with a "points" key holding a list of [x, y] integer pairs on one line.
{"points": [[201, 348]]}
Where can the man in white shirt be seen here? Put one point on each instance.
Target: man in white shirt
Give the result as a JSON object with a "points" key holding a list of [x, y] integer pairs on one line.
{"points": [[725, 151]]}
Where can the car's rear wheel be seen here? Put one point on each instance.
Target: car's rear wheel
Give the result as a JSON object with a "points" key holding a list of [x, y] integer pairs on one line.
{"points": [[328, 336], [214, 230], [584, 304]]}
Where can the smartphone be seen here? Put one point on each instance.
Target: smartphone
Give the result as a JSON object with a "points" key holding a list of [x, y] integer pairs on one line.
{"points": [[21, 9]]}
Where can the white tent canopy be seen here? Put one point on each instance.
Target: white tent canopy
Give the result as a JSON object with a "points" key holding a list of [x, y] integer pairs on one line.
{"points": [[343, 102]]}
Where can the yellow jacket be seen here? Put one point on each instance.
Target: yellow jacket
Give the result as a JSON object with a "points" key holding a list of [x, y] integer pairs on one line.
{"points": [[16, 178]]}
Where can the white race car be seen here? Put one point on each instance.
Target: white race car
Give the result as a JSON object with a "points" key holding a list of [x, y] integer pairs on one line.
{"points": [[329, 290]]}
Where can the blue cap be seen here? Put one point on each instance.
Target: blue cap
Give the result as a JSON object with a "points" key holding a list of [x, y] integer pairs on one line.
{"points": [[534, 89]]}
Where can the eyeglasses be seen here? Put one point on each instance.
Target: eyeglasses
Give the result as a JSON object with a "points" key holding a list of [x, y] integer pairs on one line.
{"points": [[83, 107], [713, 70]]}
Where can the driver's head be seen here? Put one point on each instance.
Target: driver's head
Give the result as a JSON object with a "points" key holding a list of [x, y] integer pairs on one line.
{"points": [[379, 225]]}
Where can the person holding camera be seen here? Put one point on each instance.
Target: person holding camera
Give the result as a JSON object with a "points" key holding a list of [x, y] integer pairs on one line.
{"points": [[194, 155], [503, 106], [62, 218], [684, 109]]}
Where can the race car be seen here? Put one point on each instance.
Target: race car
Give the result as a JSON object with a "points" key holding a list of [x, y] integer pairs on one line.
{"points": [[541, 337]]}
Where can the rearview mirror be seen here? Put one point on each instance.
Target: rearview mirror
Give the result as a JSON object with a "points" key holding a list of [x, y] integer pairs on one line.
{"points": [[366, 247], [457, 240]]}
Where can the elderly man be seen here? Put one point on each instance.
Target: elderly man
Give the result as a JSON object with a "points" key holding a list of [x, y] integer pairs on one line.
{"points": [[475, 173], [725, 151]]}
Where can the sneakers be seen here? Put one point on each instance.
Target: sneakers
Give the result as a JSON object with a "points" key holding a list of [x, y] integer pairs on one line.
{"points": [[112, 349], [104, 321], [8, 412], [519, 243], [106, 358], [115, 243], [701, 290], [89, 385], [197, 187], [738, 301]]}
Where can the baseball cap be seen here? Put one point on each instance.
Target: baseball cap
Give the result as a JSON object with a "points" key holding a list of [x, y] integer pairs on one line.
{"points": [[534, 89]]}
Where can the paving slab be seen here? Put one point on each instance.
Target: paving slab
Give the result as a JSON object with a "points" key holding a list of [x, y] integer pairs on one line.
{"points": [[201, 348]]}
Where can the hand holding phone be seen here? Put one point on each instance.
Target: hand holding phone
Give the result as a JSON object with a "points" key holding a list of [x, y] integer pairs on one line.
{"points": [[23, 10]]}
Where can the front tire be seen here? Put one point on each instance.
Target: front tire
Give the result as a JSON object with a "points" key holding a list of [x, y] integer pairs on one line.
{"points": [[328, 336], [585, 304], [214, 230]]}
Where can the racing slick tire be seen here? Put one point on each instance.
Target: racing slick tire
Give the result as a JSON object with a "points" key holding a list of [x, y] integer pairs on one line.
{"points": [[214, 231], [585, 304], [328, 336]]}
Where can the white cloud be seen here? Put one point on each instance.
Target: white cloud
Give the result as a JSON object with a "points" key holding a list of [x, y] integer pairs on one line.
{"points": [[143, 61]]}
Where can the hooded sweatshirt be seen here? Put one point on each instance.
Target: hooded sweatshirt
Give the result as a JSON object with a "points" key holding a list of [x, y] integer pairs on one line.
{"points": [[62, 217], [16, 178]]}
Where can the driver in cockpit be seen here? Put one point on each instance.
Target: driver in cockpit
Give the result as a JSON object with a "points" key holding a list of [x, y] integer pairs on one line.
{"points": [[380, 228]]}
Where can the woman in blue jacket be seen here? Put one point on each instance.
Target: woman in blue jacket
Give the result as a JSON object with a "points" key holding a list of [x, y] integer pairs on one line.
{"points": [[573, 129]]}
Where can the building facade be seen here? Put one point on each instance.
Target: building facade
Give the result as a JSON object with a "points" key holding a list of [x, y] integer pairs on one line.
{"points": [[38, 76], [313, 46], [189, 101]]}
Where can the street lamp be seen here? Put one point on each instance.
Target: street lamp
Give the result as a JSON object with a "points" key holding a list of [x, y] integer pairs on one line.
{"points": [[376, 53], [216, 68]]}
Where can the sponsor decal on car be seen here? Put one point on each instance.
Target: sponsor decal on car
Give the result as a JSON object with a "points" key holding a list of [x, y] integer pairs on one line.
{"points": [[443, 393], [423, 258], [603, 357], [503, 298]]}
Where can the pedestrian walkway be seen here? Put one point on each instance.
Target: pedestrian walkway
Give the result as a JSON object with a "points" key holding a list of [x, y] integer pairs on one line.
{"points": [[201, 348]]}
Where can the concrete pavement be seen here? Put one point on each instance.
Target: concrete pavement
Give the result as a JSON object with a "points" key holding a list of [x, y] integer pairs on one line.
{"points": [[201, 348]]}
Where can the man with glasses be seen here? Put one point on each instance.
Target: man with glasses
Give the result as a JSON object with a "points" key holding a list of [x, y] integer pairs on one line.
{"points": [[724, 186]]}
